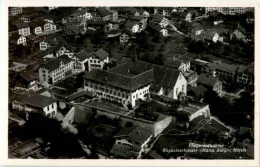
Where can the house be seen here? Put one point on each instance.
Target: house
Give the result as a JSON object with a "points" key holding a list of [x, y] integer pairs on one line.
{"points": [[74, 28], [155, 28], [27, 81], [111, 26], [16, 10], [141, 20], [27, 18], [215, 17], [36, 103], [126, 37], [186, 16], [23, 29], [197, 93], [197, 64], [49, 27], [131, 142], [80, 61], [123, 84], [165, 11], [208, 36], [102, 13], [96, 24], [54, 46], [98, 59], [161, 20], [240, 33], [210, 82], [195, 29], [114, 15], [133, 27], [50, 41], [182, 64], [18, 40], [55, 70], [142, 12], [245, 75], [37, 26], [222, 70]]}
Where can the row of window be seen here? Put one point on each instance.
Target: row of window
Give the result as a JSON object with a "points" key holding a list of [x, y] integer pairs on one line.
{"points": [[50, 107]]}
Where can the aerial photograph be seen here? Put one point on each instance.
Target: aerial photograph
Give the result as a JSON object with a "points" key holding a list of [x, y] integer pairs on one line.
{"points": [[105, 82]]}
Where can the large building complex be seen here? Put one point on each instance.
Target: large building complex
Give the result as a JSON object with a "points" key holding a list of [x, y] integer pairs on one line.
{"points": [[230, 10]]}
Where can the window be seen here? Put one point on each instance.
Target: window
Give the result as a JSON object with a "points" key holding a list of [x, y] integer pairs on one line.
{"points": [[176, 91], [52, 105], [48, 108], [182, 88]]}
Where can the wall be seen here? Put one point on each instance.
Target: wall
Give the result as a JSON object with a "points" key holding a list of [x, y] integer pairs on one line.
{"points": [[51, 109], [179, 83], [157, 127]]}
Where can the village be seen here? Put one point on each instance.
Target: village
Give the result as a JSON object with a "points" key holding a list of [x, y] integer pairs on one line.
{"points": [[131, 82]]}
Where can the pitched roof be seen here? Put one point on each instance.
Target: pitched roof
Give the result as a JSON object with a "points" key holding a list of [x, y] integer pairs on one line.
{"points": [[208, 80], [55, 63], [162, 76], [29, 75], [175, 64], [96, 22], [157, 18], [102, 54], [82, 55], [22, 25], [137, 18], [223, 66], [197, 26], [130, 24], [103, 11], [120, 80], [199, 90], [39, 100], [74, 27]]}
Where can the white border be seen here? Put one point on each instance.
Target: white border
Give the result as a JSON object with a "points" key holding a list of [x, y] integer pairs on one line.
{"points": [[75, 162]]}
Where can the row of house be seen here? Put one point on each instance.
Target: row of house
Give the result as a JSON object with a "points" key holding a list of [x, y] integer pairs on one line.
{"points": [[60, 67]]}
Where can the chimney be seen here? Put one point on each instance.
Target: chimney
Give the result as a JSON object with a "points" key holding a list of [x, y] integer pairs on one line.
{"points": [[128, 70]]}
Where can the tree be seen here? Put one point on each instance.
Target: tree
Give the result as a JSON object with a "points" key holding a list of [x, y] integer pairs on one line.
{"points": [[196, 47], [227, 50]]}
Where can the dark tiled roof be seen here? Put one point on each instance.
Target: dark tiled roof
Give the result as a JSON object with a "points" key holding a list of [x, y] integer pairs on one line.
{"points": [[163, 76], [96, 22], [55, 63], [22, 25], [120, 80], [137, 18], [102, 54], [102, 12], [39, 100], [157, 18], [175, 64], [82, 55], [29, 75], [208, 80], [130, 24], [199, 90]]}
